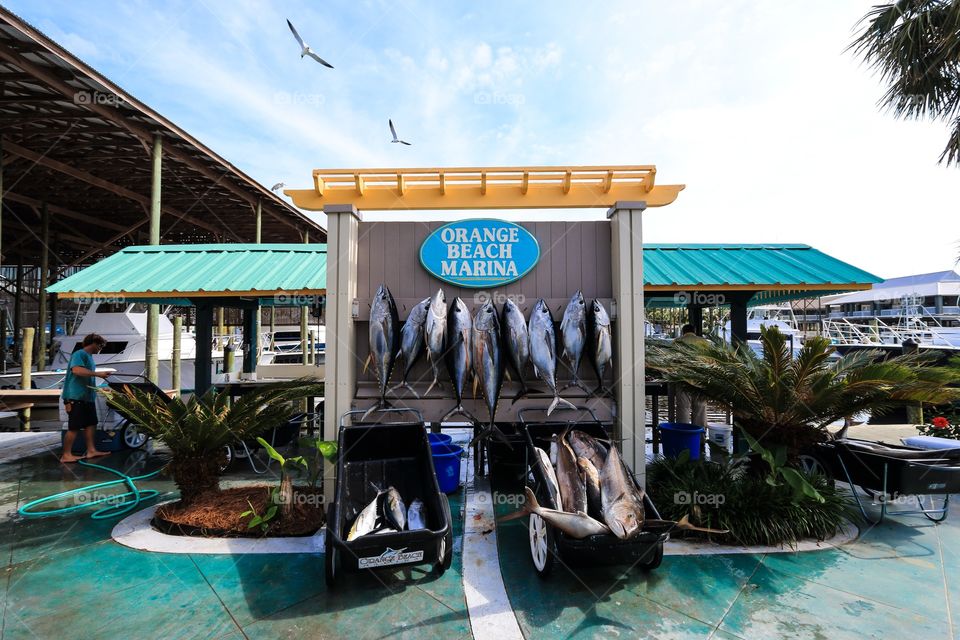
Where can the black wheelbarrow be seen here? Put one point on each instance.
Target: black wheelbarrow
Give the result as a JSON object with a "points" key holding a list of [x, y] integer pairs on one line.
{"points": [[548, 545], [372, 457], [888, 472], [129, 432]]}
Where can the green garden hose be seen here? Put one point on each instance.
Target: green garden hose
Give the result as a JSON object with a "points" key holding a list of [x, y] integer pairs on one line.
{"points": [[119, 504]]}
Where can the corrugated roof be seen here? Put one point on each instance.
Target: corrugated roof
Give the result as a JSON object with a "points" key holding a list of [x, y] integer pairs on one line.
{"points": [[784, 266], [203, 270]]}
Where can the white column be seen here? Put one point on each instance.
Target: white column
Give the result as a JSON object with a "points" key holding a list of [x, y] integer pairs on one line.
{"points": [[341, 362], [627, 261]]}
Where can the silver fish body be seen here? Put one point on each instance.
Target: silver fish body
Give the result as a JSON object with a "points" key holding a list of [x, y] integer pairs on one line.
{"points": [[435, 334], [622, 502], [416, 515], [573, 492], [553, 485], [412, 336], [591, 480], [459, 353], [487, 359], [384, 338], [366, 521], [394, 511], [601, 341], [573, 333], [516, 342], [576, 525], [543, 350]]}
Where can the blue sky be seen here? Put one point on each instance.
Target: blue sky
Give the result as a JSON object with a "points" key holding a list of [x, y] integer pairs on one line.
{"points": [[754, 106]]}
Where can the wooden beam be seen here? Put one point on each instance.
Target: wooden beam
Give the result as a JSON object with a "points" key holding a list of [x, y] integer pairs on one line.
{"points": [[64, 212]]}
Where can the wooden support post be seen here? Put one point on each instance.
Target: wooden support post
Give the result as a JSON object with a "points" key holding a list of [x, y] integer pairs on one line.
{"points": [[3, 339], [221, 328], [630, 387], [259, 214], [18, 310], [914, 411], [304, 347], [27, 342], [313, 347], [738, 318], [273, 341], [341, 363], [175, 355], [153, 310], [258, 211], [41, 342], [228, 361]]}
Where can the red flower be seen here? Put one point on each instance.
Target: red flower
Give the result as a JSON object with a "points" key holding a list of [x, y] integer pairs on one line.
{"points": [[940, 422]]}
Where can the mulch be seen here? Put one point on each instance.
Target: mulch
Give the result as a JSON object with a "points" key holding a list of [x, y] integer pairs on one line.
{"points": [[216, 514]]}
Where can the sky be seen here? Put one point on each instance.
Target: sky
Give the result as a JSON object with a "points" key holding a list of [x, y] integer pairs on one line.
{"points": [[756, 106]]}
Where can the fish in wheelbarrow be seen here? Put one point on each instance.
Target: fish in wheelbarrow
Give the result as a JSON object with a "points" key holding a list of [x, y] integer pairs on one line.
{"points": [[366, 522], [601, 344], [553, 485], [573, 333], [586, 446], [384, 342], [576, 525], [622, 502], [412, 341], [573, 491], [516, 343], [488, 366], [591, 480], [393, 509], [459, 354], [416, 515], [543, 350], [435, 334]]}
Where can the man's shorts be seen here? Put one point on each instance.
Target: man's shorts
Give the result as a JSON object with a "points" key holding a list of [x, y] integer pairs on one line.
{"points": [[81, 415]]}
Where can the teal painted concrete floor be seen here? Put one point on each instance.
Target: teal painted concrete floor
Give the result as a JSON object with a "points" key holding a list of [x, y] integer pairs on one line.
{"points": [[64, 576], [897, 580]]}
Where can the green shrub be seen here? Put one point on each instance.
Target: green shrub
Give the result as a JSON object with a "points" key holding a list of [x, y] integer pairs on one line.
{"points": [[733, 496]]}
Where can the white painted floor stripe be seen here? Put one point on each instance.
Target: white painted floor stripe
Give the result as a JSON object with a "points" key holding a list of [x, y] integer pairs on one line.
{"points": [[491, 616]]}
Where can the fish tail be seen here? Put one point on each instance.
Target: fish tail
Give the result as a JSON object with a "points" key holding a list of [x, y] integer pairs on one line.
{"points": [[406, 385], [491, 430], [524, 390], [557, 400], [459, 410]]}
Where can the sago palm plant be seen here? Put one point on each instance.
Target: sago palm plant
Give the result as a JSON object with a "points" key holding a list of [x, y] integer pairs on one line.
{"points": [[198, 430], [779, 399]]}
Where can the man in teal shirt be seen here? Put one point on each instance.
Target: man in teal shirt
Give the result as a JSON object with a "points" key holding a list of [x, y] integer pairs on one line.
{"points": [[80, 397]]}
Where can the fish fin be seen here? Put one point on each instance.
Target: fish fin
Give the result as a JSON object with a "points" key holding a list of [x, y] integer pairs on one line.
{"points": [[516, 515], [536, 372], [531, 504], [491, 430], [507, 374], [684, 523], [476, 381], [524, 390], [366, 363], [459, 410]]}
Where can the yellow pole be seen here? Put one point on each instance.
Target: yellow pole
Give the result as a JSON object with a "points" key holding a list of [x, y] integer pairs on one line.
{"points": [[25, 364], [313, 354], [41, 345], [152, 364], [175, 355]]}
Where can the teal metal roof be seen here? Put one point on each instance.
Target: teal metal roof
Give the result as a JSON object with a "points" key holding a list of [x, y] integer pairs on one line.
{"points": [[778, 272], [171, 272], [746, 264]]}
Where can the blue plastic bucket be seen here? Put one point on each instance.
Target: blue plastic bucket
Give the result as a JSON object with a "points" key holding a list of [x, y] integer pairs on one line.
{"points": [[680, 436], [446, 463], [439, 438]]}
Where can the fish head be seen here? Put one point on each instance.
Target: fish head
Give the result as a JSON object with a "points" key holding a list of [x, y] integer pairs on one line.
{"points": [[600, 315], [541, 308], [486, 318], [438, 304], [625, 523], [576, 307]]}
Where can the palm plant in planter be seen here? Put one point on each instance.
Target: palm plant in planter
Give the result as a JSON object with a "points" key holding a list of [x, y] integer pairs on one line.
{"points": [[782, 400], [198, 430]]}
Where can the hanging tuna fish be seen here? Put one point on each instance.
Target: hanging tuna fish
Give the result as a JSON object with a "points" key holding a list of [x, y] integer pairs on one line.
{"points": [[384, 342]]}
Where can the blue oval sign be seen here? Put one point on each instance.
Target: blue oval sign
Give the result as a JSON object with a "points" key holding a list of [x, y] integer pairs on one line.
{"points": [[479, 254]]}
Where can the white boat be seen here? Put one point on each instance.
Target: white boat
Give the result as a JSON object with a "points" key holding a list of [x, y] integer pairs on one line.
{"points": [[779, 316], [923, 308], [285, 347]]}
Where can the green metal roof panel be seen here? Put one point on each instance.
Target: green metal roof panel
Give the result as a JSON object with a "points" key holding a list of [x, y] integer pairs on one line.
{"points": [[746, 264], [208, 268]]}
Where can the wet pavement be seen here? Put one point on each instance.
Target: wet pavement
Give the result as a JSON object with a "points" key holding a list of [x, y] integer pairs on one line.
{"points": [[64, 575]]}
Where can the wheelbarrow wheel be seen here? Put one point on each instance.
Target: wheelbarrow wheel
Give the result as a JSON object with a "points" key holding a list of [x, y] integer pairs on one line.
{"points": [[446, 543], [131, 436], [652, 559], [543, 546], [812, 464], [331, 555]]}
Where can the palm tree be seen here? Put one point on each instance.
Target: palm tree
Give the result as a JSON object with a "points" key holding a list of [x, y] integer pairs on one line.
{"points": [[197, 431], [915, 45], [781, 400]]}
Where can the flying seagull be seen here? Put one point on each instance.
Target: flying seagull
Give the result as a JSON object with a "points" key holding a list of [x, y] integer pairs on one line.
{"points": [[305, 48], [279, 185], [394, 132]]}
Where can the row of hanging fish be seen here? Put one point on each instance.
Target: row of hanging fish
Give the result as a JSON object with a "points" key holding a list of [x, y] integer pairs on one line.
{"points": [[481, 346], [593, 489], [387, 513]]}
